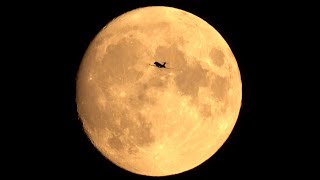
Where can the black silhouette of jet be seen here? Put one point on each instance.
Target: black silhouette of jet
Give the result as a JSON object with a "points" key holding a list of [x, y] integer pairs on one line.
{"points": [[159, 65]]}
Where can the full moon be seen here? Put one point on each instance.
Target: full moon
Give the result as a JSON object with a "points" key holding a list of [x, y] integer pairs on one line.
{"points": [[158, 121]]}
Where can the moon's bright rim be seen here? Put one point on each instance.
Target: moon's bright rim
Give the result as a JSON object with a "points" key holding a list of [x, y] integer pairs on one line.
{"points": [[152, 121]]}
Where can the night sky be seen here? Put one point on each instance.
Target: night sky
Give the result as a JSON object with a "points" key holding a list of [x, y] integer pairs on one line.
{"points": [[57, 35]]}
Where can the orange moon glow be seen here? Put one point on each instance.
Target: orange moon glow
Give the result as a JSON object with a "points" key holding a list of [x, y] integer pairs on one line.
{"points": [[158, 121]]}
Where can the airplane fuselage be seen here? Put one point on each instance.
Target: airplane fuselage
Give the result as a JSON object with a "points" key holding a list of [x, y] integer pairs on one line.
{"points": [[160, 65]]}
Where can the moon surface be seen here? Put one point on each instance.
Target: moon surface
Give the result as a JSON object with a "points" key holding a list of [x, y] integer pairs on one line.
{"points": [[158, 121]]}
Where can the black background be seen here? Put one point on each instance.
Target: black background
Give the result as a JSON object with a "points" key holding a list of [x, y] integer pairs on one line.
{"points": [[53, 38]]}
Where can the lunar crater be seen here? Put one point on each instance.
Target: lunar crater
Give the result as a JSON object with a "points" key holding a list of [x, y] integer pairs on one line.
{"points": [[217, 56]]}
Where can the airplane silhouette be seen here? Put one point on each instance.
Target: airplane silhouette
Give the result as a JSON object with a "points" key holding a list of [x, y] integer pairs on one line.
{"points": [[159, 65]]}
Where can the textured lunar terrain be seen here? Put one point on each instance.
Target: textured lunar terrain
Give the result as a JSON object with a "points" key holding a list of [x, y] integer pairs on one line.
{"points": [[158, 121]]}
